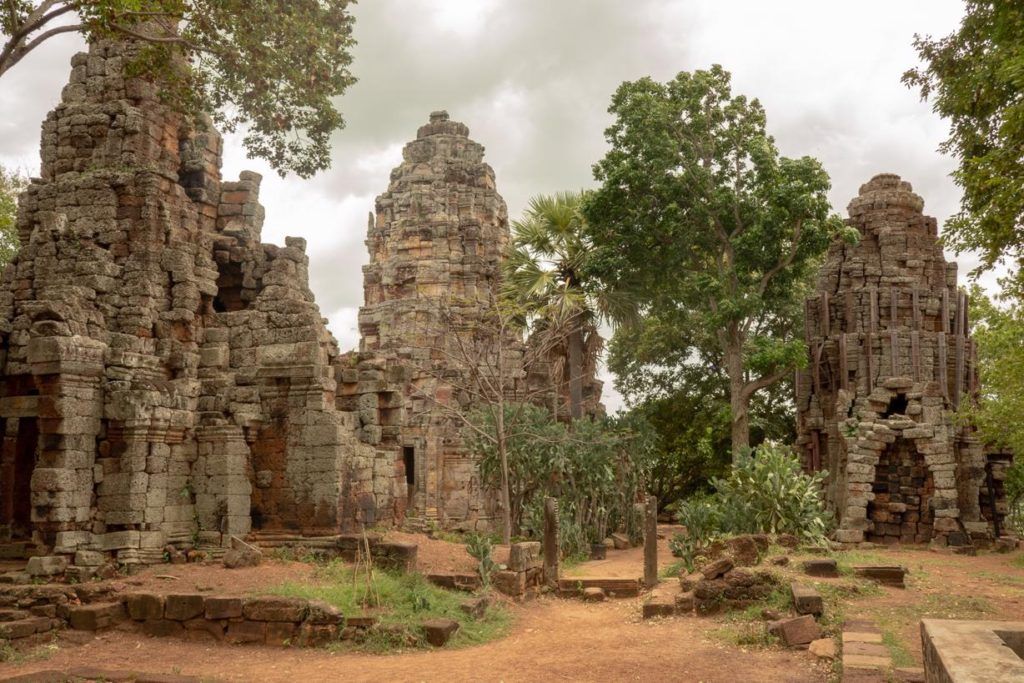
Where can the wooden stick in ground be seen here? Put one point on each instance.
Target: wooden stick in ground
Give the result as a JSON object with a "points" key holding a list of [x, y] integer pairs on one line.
{"points": [[651, 542]]}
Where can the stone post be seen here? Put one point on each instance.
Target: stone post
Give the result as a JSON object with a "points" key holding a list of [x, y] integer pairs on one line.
{"points": [[551, 542], [651, 542]]}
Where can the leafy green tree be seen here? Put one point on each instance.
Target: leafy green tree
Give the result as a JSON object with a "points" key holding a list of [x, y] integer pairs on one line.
{"points": [[271, 67], [684, 395], [998, 331], [11, 185], [547, 276], [715, 230], [975, 79]]}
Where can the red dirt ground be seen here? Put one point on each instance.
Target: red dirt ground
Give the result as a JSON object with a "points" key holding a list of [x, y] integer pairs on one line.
{"points": [[553, 639]]}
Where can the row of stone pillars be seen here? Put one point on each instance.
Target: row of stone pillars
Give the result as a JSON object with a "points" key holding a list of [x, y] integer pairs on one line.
{"points": [[551, 542]]}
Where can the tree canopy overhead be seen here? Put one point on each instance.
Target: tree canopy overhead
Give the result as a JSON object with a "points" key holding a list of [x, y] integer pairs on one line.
{"points": [[270, 67], [975, 79], [714, 229]]}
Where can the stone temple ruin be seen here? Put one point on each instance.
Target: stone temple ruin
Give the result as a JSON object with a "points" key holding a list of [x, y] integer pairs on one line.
{"points": [[891, 359], [166, 378]]}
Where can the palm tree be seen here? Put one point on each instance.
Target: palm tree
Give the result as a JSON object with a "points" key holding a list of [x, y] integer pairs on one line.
{"points": [[546, 274]]}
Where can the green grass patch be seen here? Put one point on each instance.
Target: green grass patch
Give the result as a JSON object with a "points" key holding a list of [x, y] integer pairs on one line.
{"points": [[897, 650], [405, 601], [9, 654], [744, 634], [672, 571], [1018, 561]]}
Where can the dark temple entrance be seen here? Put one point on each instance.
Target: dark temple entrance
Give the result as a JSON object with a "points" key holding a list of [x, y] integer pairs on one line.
{"points": [[16, 465], [903, 487]]}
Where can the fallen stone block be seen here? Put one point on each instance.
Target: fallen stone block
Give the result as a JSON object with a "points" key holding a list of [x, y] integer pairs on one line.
{"points": [[806, 600], [823, 648], [593, 594], [684, 602], [743, 550], [717, 568], [183, 606], [689, 581], [439, 631], [238, 558], [796, 631], [475, 608], [825, 568], [51, 565]]}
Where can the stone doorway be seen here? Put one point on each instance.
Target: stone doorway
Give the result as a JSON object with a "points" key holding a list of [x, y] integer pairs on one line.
{"points": [[903, 488], [20, 448]]}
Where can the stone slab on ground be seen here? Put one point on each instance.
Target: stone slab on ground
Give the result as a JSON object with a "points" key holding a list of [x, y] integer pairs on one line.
{"points": [[825, 568], [456, 581], [823, 648], [806, 600], [717, 568], [885, 575], [797, 631], [659, 606], [439, 631], [593, 594], [973, 651], [613, 587], [865, 659]]}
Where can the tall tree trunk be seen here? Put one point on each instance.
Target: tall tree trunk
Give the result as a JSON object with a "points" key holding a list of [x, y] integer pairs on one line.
{"points": [[506, 498], [575, 348], [739, 403]]}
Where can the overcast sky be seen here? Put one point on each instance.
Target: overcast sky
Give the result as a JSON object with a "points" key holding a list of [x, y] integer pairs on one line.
{"points": [[533, 79]]}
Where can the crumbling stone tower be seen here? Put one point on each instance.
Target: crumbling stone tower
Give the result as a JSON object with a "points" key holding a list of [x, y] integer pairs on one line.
{"points": [[436, 245], [164, 376], [891, 359]]}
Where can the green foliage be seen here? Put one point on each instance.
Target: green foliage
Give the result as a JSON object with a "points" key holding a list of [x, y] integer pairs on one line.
{"points": [[269, 67], [547, 278], [597, 470], [766, 492], [974, 78], [407, 600], [714, 231], [998, 331], [11, 185], [480, 547]]}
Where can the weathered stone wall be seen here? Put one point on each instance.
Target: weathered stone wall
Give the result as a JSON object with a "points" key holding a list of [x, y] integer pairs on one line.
{"points": [[163, 374], [436, 244], [891, 359]]}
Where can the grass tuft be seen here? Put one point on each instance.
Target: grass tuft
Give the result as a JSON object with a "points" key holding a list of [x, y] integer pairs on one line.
{"points": [[406, 601]]}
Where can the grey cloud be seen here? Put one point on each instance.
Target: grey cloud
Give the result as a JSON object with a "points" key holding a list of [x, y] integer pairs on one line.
{"points": [[533, 83]]}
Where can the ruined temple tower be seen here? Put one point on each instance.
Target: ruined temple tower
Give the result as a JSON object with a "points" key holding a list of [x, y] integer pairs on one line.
{"points": [[164, 376], [436, 244], [891, 359]]}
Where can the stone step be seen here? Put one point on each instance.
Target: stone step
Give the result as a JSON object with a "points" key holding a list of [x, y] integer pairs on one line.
{"points": [[613, 587], [806, 600], [23, 628], [97, 616]]}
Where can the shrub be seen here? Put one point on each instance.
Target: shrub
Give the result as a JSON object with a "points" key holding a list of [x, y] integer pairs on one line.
{"points": [[765, 493], [479, 548], [597, 469]]}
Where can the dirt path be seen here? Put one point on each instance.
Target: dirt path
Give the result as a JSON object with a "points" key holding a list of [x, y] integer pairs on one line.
{"points": [[552, 640]]}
